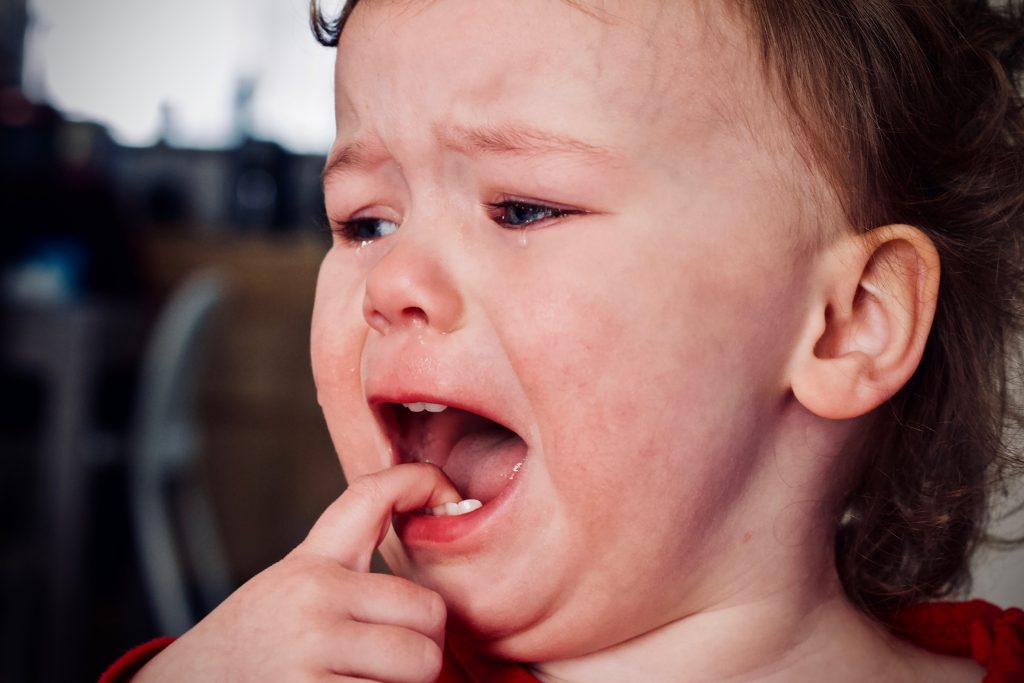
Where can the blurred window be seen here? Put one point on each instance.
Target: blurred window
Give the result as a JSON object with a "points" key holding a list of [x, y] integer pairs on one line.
{"points": [[194, 73]]}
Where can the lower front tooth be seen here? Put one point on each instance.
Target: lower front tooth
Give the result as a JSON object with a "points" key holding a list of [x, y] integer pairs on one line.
{"points": [[456, 509]]}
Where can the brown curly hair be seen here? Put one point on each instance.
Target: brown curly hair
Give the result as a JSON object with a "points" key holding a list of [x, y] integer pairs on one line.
{"points": [[913, 110]]}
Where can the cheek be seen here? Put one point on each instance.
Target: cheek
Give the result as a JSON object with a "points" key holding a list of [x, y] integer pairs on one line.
{"points": [[331, 333], [633, 376], [336, 338]]}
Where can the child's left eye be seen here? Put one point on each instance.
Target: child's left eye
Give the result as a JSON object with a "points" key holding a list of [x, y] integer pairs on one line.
{"points": [[519, 214]]}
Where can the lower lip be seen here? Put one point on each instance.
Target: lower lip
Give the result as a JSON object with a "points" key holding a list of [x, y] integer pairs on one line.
{"points": [[427, 531]]}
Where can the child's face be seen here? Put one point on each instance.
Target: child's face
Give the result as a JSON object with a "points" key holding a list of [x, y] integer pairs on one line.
{"points": [[637, 346]]}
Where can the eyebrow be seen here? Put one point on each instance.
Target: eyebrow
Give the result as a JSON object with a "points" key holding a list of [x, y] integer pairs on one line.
{"points": [[354, 155], [515, 139], [506, 139]]}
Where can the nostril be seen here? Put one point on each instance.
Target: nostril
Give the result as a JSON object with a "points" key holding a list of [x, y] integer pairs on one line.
{"points": [[377, 321], [415, 314]]}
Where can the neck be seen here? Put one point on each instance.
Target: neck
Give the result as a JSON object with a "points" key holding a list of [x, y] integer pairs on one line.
{"points": [[796, 632], [773, 611]]}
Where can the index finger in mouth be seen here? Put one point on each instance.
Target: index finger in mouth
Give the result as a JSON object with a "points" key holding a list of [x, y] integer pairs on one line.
{"points": [[352, 527]]}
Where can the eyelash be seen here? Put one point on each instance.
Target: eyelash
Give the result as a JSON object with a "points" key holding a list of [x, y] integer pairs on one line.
{"points": [[355, 230]]}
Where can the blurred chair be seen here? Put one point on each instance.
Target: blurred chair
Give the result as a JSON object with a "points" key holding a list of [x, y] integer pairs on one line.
{"points": [[181, 555]]}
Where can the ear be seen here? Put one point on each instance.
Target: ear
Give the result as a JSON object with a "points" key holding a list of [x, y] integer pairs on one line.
{"points": [[869, 321]]}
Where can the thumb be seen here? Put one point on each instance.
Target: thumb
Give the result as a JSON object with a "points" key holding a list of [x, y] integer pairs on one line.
{"points": [[352, 527]]}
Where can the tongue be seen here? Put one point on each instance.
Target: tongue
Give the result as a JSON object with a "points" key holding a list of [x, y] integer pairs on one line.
{"points": [[483, 462]]}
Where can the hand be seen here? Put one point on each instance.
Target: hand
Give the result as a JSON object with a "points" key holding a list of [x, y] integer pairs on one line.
{"points": [[318, 614]]}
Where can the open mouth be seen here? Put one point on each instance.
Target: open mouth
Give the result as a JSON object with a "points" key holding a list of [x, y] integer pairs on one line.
{"points": [[480, 456]]}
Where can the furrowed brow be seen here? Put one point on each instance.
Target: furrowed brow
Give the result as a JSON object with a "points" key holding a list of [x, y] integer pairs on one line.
{"points": [[518, 140], [507, 139]]}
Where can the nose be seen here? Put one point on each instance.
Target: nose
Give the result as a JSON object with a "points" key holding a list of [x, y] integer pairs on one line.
{"points": [[411, 286]]}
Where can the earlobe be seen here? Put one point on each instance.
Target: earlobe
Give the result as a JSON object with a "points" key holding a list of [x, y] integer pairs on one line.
{"points": [[869, 323]]}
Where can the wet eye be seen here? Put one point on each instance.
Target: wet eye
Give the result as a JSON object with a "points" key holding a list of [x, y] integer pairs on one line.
{"points": [[516, 214], [365, 229]]}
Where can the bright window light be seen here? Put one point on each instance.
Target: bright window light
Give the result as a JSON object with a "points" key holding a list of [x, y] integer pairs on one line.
{"points": [[147, 69]]}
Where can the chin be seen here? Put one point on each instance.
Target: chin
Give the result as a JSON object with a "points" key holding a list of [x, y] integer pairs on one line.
{"points": [[512, 626], [498, 617]]}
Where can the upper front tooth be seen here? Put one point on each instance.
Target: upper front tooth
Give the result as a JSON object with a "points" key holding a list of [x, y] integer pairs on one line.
{"points": [[429, 407]]}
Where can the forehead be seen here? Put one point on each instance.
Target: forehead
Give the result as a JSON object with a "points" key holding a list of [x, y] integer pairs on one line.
{"points": [[614, 68]]}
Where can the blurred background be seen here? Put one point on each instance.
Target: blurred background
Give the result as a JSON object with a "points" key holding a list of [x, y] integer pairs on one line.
{"points": [[160, 207]]}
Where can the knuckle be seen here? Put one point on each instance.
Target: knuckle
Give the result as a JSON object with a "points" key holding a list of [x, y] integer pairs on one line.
{"points": [[430, 658], [423, 600], [366, 491], [435, 608], [306, 585]]}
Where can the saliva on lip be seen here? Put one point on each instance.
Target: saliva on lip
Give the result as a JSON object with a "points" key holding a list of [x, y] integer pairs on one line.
{"points": [[463, 506]]}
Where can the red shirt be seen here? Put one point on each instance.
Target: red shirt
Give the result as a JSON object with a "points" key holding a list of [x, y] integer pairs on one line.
{"points": [[993, 637]]}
